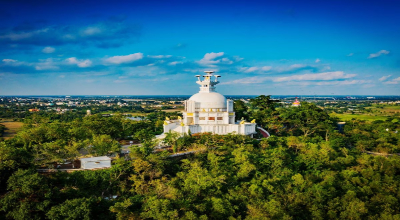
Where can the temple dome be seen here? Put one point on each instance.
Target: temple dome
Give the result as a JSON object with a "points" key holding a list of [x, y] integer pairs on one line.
{"points": [[209, 100]]}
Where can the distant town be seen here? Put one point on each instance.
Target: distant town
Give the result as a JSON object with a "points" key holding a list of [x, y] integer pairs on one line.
{"points": [[14, 106]]}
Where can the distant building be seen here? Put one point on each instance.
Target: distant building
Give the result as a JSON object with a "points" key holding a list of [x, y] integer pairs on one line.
{"points": [[34, 110], [95, 162], [296, 103], [88, 112]]}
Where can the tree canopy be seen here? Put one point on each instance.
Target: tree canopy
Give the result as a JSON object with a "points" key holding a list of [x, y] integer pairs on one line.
{"points": [[307, 169]]}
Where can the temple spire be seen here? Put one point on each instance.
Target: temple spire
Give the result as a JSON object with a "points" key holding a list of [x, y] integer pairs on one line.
{"points": [[208, 84]]}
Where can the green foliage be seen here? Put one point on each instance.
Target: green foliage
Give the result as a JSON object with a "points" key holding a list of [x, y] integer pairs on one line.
{"points": [[73, 209], [2, 129], [241, 110], [306, 170], [103, 145]]}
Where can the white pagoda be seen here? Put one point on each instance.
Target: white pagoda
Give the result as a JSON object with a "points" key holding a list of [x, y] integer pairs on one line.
{"points": [[209, 111]]}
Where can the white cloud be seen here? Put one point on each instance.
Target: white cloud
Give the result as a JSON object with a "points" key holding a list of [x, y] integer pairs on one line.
{"points": [[316, 76], [80, 63], [255, 69], [174, 63], [350, 54], [344, 82], [48, 50], [159, 56], [237, 58], [12, 62], [23, 35], [248, 80], [250, 69], [46, 64], [393, 81], [209, 58], [91, 31], [226, 60], [317, 60], [266, 68], [383, 78], [9, 61], [379, 53], [125, 59], [296, 66], [292, 67], [213, 59], [61, 76], [326, 67]]}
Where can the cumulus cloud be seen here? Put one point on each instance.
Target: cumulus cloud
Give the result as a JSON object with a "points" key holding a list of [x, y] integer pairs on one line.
{"points": [[317, 60], [209, 58], [383, 78], [316, 76], [212, 59], [48, 50], [393, 81], [79, 63], [125, 59], [212, 55], [350, 54], [379, 53]]}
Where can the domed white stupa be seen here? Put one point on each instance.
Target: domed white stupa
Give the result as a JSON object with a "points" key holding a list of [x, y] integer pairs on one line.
{"points": [[209, 111]]}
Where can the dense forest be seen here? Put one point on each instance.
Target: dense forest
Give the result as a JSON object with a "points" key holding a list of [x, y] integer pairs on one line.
{"points": [[308, 169]]}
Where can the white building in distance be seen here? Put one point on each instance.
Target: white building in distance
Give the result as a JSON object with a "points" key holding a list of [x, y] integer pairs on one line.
{"points": [[209, 111]]}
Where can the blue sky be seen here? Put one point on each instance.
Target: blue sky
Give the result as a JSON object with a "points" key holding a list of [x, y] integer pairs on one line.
{"points": [[156, 47]]}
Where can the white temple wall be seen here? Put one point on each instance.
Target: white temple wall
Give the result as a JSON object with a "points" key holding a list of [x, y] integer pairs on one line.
{"points": [[245, 129], [190, 105], [229, 104]]}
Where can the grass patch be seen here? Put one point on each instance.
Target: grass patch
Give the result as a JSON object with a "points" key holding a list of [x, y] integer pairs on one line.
{"points": [[172, 110], [12, 127], [348, 117]]}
